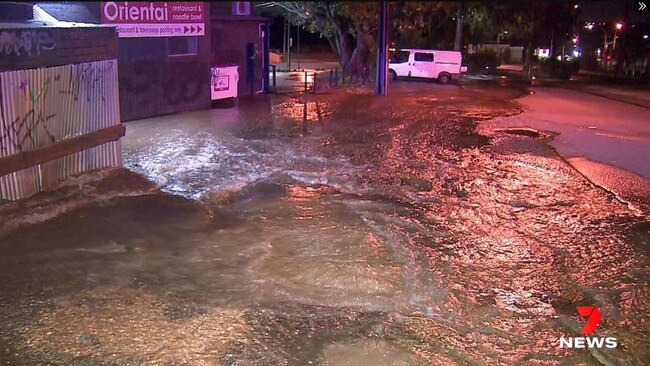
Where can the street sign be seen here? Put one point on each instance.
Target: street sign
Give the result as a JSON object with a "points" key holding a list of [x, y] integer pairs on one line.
{"points": [[154, 19], [642, 7]]}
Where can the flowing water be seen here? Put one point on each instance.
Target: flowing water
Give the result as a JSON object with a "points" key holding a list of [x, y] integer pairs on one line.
{"points": [[379, 232]]}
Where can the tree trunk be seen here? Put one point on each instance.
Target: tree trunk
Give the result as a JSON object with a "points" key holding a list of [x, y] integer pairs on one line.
{"points": [[359, 59], [528, 66], [528, 61], [458, 40], [340, 43]]}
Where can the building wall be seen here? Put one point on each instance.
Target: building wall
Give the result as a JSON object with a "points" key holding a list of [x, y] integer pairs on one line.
{"points": [[152, 82], [229, 38]]}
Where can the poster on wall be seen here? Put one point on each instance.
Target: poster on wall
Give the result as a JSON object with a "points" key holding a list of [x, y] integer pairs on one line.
{"points": [[154, 19], [224, 81]]}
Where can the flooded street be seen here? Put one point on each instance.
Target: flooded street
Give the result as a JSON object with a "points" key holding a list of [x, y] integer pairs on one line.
{"points": [[396, 231]]}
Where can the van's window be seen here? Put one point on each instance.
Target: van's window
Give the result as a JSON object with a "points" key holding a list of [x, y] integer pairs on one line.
{"points": [[426, 57], [399, 58]]}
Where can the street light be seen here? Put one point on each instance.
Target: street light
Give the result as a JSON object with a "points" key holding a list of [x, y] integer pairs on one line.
{"points": [[499, 36], [619, 26], [606, 45]]}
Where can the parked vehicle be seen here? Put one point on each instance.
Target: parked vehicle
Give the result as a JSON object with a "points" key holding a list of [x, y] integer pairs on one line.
{"points": [[444, 66]]}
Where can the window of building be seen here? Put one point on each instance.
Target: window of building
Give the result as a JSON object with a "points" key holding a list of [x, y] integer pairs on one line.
{"points": [[182, 46], [241, 7], [137, 49], [425, 57]]}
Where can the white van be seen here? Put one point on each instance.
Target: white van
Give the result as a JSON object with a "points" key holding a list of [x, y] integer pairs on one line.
{"points": [[433, 64]]}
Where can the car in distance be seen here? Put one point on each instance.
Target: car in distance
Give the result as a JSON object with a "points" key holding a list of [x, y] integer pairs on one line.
{"points": [[443, 66]]}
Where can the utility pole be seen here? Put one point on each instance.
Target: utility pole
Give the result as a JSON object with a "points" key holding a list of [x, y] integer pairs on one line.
{"points": [[289, 44], [551, 54], [381, 85], [298, 41], [529, 53], [284, 40]]}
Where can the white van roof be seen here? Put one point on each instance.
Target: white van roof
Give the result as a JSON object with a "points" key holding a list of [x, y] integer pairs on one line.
{"points": [[426, 50]]}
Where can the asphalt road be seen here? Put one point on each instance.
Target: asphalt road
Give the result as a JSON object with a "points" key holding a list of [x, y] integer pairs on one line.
{"points": [[606, 140]]}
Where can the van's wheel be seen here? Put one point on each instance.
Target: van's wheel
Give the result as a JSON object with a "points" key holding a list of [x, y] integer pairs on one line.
{"points": [[444, 79], [392, 74]]}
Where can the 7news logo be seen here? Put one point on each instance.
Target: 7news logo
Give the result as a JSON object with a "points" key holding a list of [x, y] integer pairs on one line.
{"points": [[593, 317]]}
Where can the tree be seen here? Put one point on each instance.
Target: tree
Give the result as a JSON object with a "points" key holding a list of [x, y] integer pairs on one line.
{"points": [[535, 24], [480, 25], [421, 24], [349, 27]]}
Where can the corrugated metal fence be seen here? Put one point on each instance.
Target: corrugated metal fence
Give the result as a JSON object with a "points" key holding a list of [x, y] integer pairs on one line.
{"points": [[41, 107]]}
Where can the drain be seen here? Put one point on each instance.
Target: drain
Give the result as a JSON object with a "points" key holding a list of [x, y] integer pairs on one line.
{"points": [[522, 132]]}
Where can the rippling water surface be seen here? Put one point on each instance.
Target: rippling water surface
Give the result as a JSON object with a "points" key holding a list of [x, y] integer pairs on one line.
{"points": [[384, 232]]}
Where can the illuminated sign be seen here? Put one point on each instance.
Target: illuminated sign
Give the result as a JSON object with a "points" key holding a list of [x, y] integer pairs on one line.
{"points": [[154, 19]]}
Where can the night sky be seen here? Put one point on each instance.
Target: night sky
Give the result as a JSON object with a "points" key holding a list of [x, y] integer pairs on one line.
{"points": [[609, 11]]}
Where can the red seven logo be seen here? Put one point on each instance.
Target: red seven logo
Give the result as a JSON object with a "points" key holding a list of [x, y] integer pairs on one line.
{"points": [[593, 318]]}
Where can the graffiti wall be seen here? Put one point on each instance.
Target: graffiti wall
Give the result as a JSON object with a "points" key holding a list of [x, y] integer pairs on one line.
{"points": [[26, 48], [25, 42], [46, 106]]}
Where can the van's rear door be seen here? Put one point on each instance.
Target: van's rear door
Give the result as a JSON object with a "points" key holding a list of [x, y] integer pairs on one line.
{"points": [[449, 62]]}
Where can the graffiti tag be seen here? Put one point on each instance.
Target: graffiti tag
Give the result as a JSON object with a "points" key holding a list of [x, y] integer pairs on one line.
{"points": [[25, 42]]}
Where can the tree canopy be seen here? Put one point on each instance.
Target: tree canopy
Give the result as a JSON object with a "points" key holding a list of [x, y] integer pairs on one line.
{"points": [[351, 27]]}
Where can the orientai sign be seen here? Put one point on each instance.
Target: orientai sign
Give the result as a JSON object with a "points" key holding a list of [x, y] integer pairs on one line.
{"points": [[154, 19]]}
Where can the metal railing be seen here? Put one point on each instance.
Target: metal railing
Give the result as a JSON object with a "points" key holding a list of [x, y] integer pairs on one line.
{"points": [[314, 81]]}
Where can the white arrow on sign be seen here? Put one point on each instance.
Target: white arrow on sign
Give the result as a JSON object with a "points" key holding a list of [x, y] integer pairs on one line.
{"points": [[641, 6]]}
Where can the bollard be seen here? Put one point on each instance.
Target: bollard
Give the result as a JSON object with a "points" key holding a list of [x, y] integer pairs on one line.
{"points": [[274, 79], [336, 76], [331, 72], [313, 89], [304, 112], [305, 81], [320, 115], [304, 118]]}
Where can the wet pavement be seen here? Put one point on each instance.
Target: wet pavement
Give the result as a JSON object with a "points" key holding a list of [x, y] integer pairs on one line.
{"points": [[381, 231], [606, 140]]}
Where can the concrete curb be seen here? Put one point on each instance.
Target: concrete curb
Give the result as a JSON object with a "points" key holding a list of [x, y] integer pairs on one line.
{"points": [[607, 96]]}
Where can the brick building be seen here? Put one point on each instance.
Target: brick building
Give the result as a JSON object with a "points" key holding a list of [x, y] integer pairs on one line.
{"points": [[239, 38], [169, 74]]}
